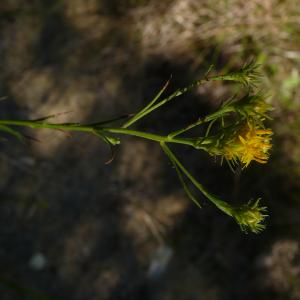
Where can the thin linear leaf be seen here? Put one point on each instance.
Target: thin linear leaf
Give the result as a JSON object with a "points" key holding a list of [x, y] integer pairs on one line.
{"points": [[12, 132], [108, 139], [110, 120], [185, 187], [155, 99], [111, 146], [51, 116], [158, 94]]}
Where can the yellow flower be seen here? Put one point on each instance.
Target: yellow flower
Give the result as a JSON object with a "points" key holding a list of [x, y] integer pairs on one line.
{"points": [[250, 143]]}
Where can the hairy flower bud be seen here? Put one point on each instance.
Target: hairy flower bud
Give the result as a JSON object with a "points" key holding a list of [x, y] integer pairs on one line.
{"points": [[248, 75], [253, 106], [250, 216]]}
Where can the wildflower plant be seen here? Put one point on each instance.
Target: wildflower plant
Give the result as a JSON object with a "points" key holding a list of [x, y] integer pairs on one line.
{"points": [[235, 132]]}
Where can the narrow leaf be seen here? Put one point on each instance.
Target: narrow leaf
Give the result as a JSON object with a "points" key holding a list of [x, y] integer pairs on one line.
{"points": [[51, 116], [12, 132], [97, 124], [158, 94], [109, 143], [137, 116], [186, 188]]}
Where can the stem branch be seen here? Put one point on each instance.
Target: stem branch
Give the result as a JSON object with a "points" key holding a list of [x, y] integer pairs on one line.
{"points": [[222, 205]]}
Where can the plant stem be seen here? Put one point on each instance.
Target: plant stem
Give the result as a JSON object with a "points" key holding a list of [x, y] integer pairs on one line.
{"points": [[222, 205], [221, 113], [151, 136], [96, 129], [38, 124], [152, 102], [149, 108], [187, 128]]}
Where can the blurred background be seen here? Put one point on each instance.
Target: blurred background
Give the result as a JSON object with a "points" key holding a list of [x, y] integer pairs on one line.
{"points": [[72, 227]]}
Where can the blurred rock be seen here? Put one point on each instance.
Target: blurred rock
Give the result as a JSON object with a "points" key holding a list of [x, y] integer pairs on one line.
{"points": [[38, 261]]}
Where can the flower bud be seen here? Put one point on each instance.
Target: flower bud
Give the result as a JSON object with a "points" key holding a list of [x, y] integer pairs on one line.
{"points": [[250, 216]]}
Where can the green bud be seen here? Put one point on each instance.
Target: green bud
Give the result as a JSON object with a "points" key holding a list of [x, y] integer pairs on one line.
{"points": [[253, 106], [248, 75], [250, 216]]}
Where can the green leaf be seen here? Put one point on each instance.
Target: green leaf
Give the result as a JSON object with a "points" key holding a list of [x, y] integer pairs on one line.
{"points": [[186, 188], [12, 132], [147, 107], [113, 140], [107, 139], [100, 124]]}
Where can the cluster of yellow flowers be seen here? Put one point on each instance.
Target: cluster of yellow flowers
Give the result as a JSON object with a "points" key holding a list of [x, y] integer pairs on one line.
{"points": [[246, 139], [250, 143]]}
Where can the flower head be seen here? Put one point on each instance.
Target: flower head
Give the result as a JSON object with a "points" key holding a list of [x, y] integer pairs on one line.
{"points": [[253, 106], [247, 143], [250, 216], [248, 75]]}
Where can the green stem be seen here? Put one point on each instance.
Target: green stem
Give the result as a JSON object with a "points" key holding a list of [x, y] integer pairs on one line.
{"points": [[152, 102], [151, 136], [222, 205], [62, 126], [221, 113], [149, 108], [94, 129], [189, 127], [177, 93]]}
